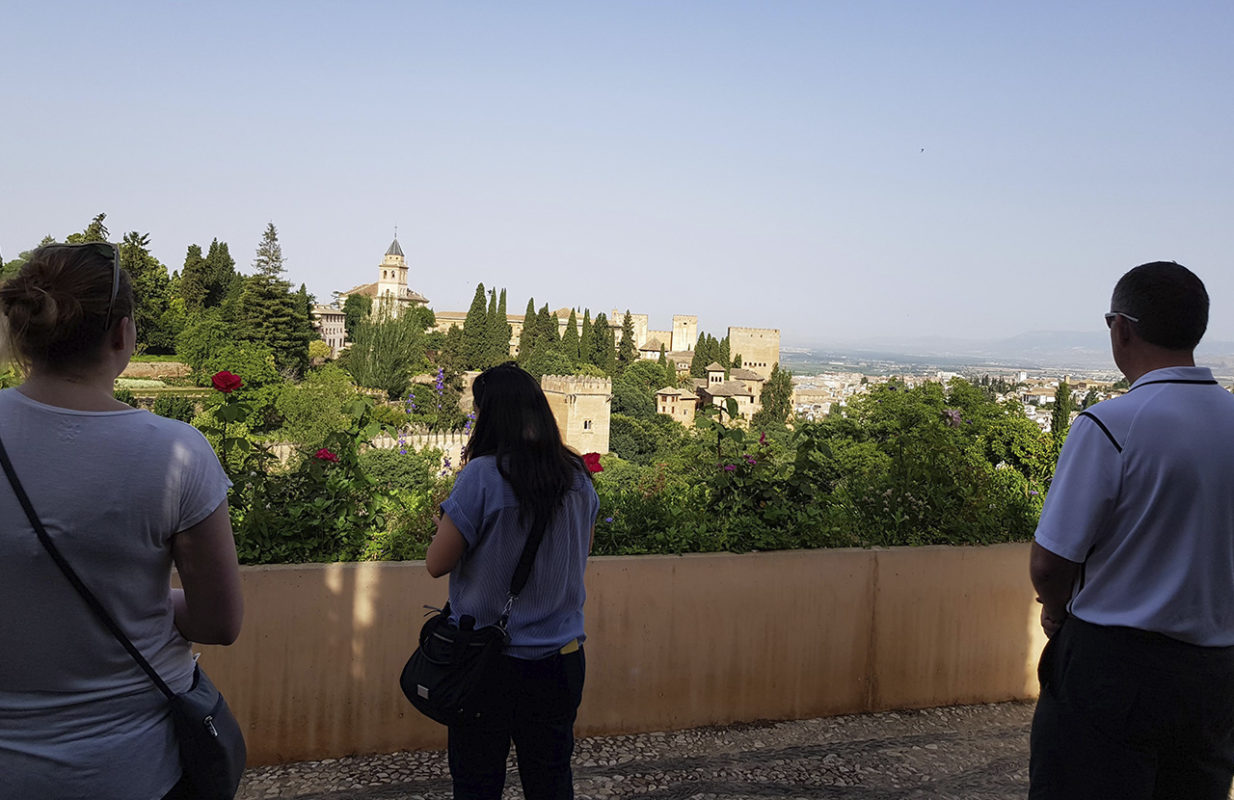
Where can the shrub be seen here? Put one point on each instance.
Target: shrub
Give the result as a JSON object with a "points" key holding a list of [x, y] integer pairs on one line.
{"points": [[175, 407]]}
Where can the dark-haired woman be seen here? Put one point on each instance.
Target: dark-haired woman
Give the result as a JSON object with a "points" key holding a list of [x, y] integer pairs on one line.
{"points": [[519, 477], [123, 494]]}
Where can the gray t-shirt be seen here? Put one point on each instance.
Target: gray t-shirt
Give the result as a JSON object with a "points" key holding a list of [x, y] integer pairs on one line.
{"points": [[78, 718]]}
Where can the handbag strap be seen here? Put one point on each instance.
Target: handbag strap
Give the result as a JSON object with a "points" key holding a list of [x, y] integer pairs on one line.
{"points": [[73, 578], [523, 570]]}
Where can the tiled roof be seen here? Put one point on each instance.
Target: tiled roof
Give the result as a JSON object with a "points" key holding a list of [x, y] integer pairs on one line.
{"points": [[727, 389], [370, 290], [714, 367], [739, 374], [394, 249]]}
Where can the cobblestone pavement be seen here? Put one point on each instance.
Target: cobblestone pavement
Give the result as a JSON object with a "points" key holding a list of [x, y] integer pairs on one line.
{"points": [[969, 752]]}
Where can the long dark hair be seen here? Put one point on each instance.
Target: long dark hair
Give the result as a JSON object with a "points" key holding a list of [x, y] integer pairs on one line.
{"points": [[515, 424]]}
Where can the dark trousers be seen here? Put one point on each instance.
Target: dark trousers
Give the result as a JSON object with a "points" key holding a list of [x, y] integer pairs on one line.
{"points": [[539, 700], [1129, 714]]}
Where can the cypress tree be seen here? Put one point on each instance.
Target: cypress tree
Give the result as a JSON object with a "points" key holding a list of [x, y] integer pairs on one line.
{"points": [[586, 339], [492, 344], [1060, 416], [670, 371], [547, 328], [475, 330], [608, 355], [570, 339], [527, 336], [627, 351], [722, 354], [498, 330], [598, 339], [699, 362]]}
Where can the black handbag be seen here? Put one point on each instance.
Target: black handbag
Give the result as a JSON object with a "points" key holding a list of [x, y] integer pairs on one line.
{"points": [[212, 749], [449, 678]]}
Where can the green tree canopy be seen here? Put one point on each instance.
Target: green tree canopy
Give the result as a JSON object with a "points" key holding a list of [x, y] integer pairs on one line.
{"points": [[220, 274], [356, 309], [96, 231], [156, 327], [387, 351], [194, 284], [776, 399]]}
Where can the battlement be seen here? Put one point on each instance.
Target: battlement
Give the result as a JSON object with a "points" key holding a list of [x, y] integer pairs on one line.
{"points": [[576, 384], [752, 331]]}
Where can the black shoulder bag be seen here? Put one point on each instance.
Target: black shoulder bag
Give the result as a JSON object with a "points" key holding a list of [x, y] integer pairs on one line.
{"points": [[212, 750], [449, 676]]}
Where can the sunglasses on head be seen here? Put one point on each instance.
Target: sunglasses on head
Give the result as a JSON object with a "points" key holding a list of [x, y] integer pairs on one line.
{"points": [[106, 250]]}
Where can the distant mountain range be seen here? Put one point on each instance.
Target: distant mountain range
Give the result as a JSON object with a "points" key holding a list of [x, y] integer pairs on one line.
{"points": [[1035, 349]]}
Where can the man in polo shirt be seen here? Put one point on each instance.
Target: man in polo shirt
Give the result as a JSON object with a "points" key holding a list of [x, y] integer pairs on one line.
{"points": [[1134, 566]]}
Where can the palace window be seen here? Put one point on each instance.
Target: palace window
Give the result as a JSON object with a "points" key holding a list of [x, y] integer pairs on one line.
{"points": [[586, 424]]}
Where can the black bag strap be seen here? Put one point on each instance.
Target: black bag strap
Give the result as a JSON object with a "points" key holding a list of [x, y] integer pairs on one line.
{"points": [[73, 578], [523, 570]]}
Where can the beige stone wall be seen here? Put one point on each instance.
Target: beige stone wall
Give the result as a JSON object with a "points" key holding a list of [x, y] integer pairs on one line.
{"points": [[673, 642], [677, 407], [685, 332], [640, 321], [582, 407], [759, 348]]}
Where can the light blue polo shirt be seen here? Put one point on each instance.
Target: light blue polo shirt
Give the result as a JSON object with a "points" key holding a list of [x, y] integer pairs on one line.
{"points": [[549, 611], [1143, 497]]}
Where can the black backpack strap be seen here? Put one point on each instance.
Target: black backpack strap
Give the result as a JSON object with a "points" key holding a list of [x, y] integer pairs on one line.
{"points": [[73, 578]]}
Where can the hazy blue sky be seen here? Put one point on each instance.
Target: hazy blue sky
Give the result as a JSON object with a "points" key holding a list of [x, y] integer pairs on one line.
{"points": [[840, 171]]}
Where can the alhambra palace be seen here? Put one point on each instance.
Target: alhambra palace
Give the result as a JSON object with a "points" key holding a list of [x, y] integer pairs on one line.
{"points": [[582, 404]]}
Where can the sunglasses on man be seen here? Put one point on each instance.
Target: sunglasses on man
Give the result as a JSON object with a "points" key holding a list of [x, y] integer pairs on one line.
{"points": [[1109, 318], [106, 250]]}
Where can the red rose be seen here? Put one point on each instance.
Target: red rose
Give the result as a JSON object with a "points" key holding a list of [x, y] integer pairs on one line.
{"points": [[226, 382], [592, 460], [325, 455]]}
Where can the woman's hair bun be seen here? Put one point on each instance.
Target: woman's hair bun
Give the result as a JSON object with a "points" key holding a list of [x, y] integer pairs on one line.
{"points": [[55, 308]]}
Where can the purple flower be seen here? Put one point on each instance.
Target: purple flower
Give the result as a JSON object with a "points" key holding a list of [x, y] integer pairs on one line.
{"points": [[751, 460], [730, 467], [1033, 493], [951, 417], [608, 519]]}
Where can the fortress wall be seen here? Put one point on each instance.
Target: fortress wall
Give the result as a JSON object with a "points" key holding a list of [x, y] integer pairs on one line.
{"points": [[759, 348], [685, 332], [581, 405]]}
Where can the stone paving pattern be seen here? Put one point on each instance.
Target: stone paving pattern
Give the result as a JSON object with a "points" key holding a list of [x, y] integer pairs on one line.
{"points": [[969, 752]]}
